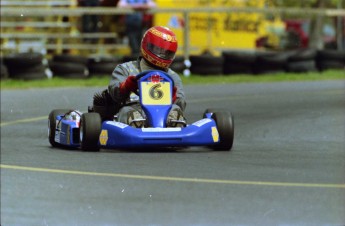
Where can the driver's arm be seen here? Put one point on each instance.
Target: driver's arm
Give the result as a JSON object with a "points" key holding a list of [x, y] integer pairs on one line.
{"points": [[180, 96], [118, 76]]}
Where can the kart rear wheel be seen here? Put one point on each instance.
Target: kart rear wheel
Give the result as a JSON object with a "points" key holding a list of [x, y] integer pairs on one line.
{"points": [[225, 126], [52, 125], [90, 129]]}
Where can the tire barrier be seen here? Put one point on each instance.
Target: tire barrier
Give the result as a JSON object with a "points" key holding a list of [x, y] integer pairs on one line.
{"points": [[302, 60], [267, 63], [69, 66], [330, 59], [4, 71], [99, 66], [238, 62], [297, 61], [67, 58], [27, 66], [68, 70], [206, 65]]}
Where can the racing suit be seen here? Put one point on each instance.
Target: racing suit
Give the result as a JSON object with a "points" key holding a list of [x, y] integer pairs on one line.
{"points": [[121, 102]]}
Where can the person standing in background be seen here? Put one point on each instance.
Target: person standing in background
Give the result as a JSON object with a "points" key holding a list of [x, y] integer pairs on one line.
{"points": [[89, 21], [134, 22]]}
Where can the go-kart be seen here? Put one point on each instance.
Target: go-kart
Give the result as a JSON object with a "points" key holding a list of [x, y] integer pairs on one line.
{"points": [[73, 129]]}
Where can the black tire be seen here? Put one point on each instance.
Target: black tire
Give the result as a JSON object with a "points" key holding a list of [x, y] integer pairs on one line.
{"points": [[29, 73], [329, 65], [101, 69], [238, 62], [66, 58], [301, 66], [17, 60], [225, 126], [52, 125], [239, 69], [243, 58], [206, 64], [99, 66], [3, 71], [331, 55], [303, 55], [90, 129], [206, 60], [275, 60], [69, 70], [206, 70], [271, 62]]}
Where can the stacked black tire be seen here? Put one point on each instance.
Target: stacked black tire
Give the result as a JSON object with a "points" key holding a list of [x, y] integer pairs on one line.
{"points": [[302, 60], [271, 62], [69, 66], [102, 66], [26, 66], [30, 66], [3, 70], [296, 61], [206, 65], [238, 62], [330, 59], [76, 66]]}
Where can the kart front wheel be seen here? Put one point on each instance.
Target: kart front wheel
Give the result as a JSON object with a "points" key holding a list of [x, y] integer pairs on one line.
{"points": [[90, 129], [225, 126], [52, 125]]}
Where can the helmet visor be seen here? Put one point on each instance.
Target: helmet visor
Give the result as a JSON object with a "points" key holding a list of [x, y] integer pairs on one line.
{"points": [[160, 52]]}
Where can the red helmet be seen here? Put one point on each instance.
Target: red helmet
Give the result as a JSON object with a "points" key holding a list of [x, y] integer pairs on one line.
{"points": [[158, 46]]}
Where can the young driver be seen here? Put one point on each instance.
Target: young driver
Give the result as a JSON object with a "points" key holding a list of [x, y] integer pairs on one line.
{"points": [[158, 48]]}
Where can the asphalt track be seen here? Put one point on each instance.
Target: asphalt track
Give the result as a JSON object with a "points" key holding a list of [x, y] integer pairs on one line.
{"points": [[287, 166]]}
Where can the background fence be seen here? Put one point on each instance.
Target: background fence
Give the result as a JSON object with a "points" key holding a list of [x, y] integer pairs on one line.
{"points": [[51, 29]]}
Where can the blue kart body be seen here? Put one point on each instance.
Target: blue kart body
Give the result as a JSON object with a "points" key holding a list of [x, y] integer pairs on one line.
{"points": [[68, 133], [119, 135], [156, 108], [155, 95]]}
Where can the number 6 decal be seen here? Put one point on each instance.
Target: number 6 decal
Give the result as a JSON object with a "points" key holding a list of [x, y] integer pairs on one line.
{"points": [[155, 92]]}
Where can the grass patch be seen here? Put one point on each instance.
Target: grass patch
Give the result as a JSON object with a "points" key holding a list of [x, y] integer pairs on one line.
{"points": [[193, 79], [311, 76]]}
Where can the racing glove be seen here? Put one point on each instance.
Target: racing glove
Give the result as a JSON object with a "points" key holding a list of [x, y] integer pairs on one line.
{"points": [[129, 85], [174, 97]]}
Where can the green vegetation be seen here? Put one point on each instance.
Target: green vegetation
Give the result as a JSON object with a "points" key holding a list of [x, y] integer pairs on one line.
{"points": [[310, 76], [102, 81]]}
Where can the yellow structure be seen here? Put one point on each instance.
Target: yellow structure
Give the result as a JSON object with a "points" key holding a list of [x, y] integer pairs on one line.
{"points": [[216, 31]]}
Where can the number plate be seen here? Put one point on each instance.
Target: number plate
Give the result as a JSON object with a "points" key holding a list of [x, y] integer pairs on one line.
{"points": [[155, 93]]}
